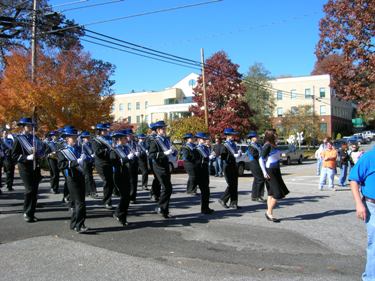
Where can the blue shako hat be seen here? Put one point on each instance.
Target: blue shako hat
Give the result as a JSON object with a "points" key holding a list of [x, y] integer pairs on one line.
{"points": [[230, 131], [85, 134], [101, 127], [152, 126], [252, 134], [69, 132], [53, 133], [188, 136], [118, 134], [141, 136], [201, 135], [25, 121], [160, 124]]}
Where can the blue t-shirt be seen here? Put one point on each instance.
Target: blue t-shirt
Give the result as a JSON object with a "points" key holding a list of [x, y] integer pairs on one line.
{"points": [[364, 173]]}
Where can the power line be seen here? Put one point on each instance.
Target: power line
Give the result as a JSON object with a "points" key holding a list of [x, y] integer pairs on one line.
{"points": [[138, 15], [92, 5]]}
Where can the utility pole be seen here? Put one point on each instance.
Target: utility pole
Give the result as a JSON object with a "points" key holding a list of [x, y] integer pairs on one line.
{"points": [[204, 90], [33, 41]]}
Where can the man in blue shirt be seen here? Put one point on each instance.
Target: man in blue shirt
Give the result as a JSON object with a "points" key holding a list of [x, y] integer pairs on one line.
{"points": [[362, 179]]}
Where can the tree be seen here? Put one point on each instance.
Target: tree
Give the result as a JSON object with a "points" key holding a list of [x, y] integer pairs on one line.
{"points": [[15, 27], [347, 31], [259, 97], [179, 127], [70, 88], [225, 93], [301, 119]]}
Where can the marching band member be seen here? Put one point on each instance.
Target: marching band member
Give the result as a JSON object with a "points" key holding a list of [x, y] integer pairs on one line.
{"points": [[27, 151], [143, 159], [6, 144], [189, 157], [202, 160], [134, 150], [71, 161], [102, 147], [155, 186], [229, 155], [51, 150], [90, 186]]}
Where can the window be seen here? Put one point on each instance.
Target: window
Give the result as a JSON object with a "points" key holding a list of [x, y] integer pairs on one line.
{"points": [[129, 119], [279, 95], [280, 111], [137, 105], [294, 110], [322, 92], [146, 104], [293, 94], [308, 93], [121, 107], [322, 110], [138, 119], [192, 83], [129, 106], [323, 127], [146, 118]]}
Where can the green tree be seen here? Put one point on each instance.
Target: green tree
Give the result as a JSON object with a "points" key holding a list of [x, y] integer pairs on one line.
{"points": [[301, 119], [259, 97], [179, 127]]}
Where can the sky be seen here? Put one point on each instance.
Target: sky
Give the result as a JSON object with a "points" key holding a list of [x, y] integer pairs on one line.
{"points": [[280, 34]]}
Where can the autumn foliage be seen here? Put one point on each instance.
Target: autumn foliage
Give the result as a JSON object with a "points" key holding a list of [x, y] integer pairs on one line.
{"points": [[346, 50], [225, 92], [70, 88]]}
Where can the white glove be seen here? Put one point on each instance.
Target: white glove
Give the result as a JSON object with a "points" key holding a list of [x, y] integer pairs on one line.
{"points": [[130, 155], [137, 154], [266, 176], [168, 152], [238, 154], [92, 155], [211, 157], [30, 157]]}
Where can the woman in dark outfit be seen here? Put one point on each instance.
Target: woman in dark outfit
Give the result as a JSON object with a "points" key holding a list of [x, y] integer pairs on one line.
{"points": [[269, 162]]}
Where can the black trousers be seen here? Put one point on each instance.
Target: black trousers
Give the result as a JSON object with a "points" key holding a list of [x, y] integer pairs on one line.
{"points": [[133, 172], [144, 170], [259, 181], [54, 174], [30, 179], [203, 181], [191, 186], [76, 186], [90, 186], [164, 177], [1, 173], [106, 174], [9, 172], [122, 182], [231, 177]]}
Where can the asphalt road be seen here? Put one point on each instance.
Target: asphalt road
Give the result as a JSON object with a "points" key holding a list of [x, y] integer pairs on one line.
{"points": [[319, 237]]}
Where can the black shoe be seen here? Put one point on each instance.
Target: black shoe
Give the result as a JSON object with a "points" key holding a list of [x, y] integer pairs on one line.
{"points": [[122, 222], [145, 188], [82, 230], [207, 211], [109, 206], [133, 202], [254, 199], [271, 219], [222, 203], [10, 189], [234, 206], [261, 200], [29, 219], [94, 195], [54, 191], [166, 215]]}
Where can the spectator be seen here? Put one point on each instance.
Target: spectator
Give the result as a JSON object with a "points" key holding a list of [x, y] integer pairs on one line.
{"points": [[362, 180], [329, 156], [217, 148], [343, 163], [355, 154], [318, 156]]}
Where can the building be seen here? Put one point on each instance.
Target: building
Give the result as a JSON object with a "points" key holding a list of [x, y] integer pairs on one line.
{"points": [[147, 107], [335, 115]]}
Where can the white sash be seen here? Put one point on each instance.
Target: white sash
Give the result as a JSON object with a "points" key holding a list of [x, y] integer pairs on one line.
{"points": [[230, 148], [25, 144], [161, 143], [120, 152], [70, 156], [103, 141], [202, 151]]}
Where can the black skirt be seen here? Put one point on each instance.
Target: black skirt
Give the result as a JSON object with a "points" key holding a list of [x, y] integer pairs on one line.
{"points": [[275, 185]]}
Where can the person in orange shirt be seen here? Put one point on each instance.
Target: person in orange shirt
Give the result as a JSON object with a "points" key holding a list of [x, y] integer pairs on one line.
{"points": [[329, 157]]}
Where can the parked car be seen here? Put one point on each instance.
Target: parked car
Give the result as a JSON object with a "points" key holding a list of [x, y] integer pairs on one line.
{"points": [[290, 153], [243, 162], [360, 138], [338, 143], [352, 140]]}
